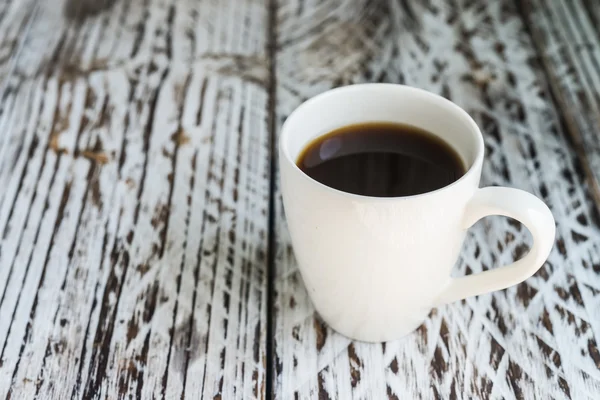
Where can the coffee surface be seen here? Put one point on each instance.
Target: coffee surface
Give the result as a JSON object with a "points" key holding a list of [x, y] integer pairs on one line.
{"points": [[381, 159]]}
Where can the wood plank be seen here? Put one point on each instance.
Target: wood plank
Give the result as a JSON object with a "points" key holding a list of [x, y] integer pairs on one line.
{"points": [[536, 340], [568, 39], [15, 23], [16, 18], [135, 210]]}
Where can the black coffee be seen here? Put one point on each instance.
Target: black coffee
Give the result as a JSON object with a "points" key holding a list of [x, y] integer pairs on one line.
{"points": [[382, 160]]}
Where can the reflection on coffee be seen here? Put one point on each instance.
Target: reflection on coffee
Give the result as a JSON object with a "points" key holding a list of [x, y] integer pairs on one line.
{"points": [[381, 159]]}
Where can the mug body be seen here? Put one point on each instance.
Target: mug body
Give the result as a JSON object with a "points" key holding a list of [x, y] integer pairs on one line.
{"points": [[374, 266]]}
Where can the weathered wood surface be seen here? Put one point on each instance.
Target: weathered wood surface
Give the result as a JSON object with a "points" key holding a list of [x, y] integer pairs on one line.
{"points": [[537, 340], [134, 210], [567, 36], [16, 19], [136, 161]]}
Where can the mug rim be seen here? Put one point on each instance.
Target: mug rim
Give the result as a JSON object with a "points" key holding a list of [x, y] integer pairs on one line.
{"points": [[442, 101]]}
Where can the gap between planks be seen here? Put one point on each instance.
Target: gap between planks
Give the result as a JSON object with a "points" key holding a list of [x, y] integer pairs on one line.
{"points": [[272, 126]]}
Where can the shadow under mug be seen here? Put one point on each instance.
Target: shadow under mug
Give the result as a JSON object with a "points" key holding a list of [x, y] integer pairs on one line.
{"points": [[374, 267]]}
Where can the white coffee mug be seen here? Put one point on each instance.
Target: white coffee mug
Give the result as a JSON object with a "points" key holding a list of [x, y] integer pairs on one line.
{"points": [[374, 266]]}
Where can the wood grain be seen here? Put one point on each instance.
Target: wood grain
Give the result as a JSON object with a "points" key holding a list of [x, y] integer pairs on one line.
{"points": [[16, 18], [536, 340], [134, 215], [568, 41]]}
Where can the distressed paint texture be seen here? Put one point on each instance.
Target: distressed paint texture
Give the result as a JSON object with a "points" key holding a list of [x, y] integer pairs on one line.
{"points": [[136, 159], [568, 41], [134, 215]]}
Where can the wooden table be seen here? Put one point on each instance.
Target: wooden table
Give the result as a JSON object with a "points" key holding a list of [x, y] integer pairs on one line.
{"points": [[144, 251]]}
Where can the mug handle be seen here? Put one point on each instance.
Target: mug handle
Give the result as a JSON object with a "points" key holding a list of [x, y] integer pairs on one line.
{"points": [[527, 209]]}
